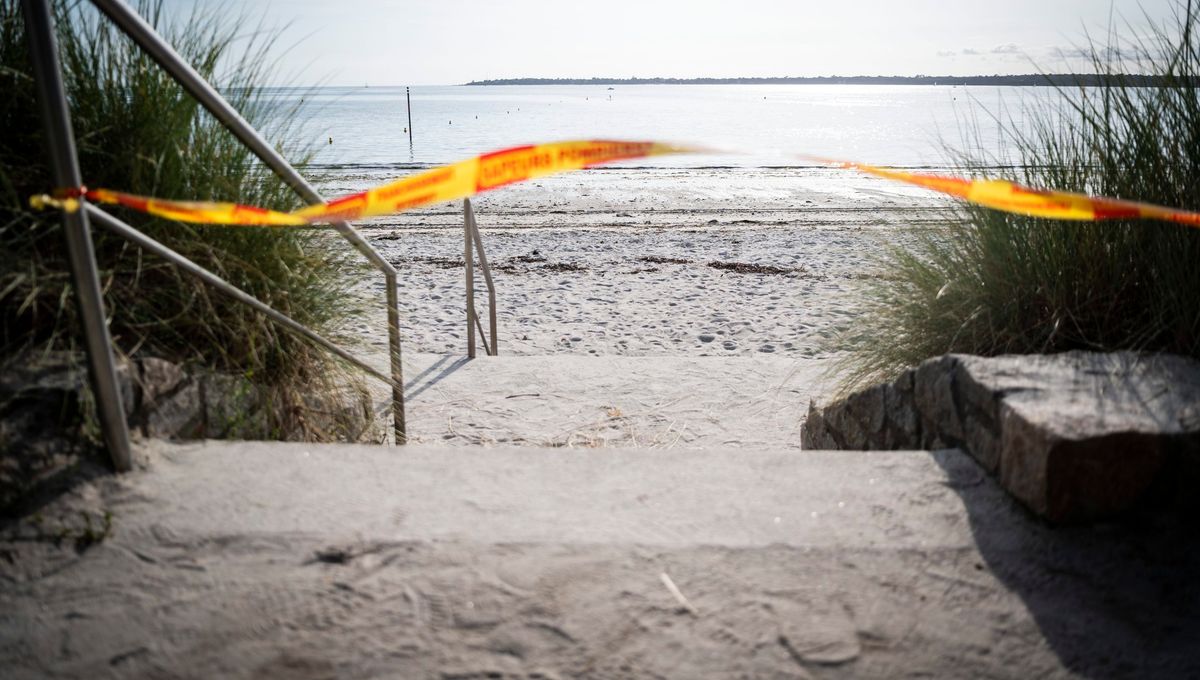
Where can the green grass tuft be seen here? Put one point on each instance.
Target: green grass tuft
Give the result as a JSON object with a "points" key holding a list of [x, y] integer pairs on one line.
{"points": [[138, 131], [992, 283]]}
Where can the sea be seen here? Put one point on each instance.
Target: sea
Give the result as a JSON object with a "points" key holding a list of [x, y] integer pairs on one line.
{"points": [[914, 126]]}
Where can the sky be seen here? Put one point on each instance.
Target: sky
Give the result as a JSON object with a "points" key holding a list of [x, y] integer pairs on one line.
{"points": [[443, 42]]}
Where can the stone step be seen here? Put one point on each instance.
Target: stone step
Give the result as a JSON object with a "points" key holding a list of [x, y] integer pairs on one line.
{"points": [[248, 560], [670, 497], [604, 401]]}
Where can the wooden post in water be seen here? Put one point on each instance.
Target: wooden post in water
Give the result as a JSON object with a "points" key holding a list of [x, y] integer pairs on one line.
{"points": [[408, 100]]}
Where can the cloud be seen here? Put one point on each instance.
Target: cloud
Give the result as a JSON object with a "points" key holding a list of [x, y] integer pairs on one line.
{"points": [[1005, 50], [1133, 56], [947, 53], [1070, 52]]}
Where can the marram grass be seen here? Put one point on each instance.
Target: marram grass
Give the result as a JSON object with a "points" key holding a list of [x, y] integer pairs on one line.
{"points": [[136, 129], [993, 283]]}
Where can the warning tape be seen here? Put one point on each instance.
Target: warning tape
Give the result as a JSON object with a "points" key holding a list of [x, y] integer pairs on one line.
{"points": [[1022, 200], [446, 183], [519, 164]]}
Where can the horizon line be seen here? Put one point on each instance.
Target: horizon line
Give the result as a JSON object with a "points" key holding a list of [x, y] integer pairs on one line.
{"points": [[1025, 78], [1037, 79]]}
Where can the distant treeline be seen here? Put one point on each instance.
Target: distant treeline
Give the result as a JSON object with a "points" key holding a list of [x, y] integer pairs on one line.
{"points": [[1033, 79]]}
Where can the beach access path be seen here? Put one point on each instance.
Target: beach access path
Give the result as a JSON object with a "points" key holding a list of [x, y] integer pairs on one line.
{"points": [[620, 494]]}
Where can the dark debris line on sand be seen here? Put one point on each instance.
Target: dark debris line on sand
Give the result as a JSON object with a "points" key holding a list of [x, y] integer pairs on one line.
{"points": [[655, 259], [748, 268], [511, 266], [736, 267]]}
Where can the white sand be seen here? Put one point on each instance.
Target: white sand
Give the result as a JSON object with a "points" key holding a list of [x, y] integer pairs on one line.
{"points": [[579, 267]]}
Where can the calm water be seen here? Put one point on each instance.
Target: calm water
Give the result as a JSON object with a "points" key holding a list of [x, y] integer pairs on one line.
{"points": [[892, 125]]}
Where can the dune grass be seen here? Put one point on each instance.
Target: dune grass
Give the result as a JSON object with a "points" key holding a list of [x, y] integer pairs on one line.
{"points": [[138, 131], [992, 283]]}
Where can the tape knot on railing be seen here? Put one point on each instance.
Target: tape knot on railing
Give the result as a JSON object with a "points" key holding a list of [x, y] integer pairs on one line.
{"points": [[63, 198]]}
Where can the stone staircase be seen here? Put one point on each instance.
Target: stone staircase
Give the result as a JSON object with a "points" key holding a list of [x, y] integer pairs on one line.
{"points": [[586, 517]]}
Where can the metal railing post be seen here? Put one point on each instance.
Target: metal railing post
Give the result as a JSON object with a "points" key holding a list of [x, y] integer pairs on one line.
{"points": [[491, 341], [399, 422], [56, 118], [471, 236], [142, 33], [469, 268]]}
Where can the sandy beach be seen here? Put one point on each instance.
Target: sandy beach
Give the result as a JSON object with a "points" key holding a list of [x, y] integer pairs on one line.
{"points": [[650, 261]]}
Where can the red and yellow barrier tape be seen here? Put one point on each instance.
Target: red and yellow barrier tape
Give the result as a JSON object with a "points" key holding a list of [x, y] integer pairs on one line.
{"points": [[501, 168], [446, 183], [1022, 200]]}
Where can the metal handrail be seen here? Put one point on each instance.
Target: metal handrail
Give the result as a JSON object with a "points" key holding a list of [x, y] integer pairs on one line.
{"points": [[134, 26], [471, 237], [187, 266], [81, 254]]}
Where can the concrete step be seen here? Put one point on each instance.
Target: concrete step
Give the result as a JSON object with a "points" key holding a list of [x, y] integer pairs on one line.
{"points": [[670, 497], [289, 560], [602, 401]]}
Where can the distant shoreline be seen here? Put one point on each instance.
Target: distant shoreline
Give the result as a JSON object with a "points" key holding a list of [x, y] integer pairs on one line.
{"points": [[1027, 80]]}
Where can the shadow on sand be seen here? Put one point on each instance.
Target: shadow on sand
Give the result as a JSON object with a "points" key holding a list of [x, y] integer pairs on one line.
{"points": [[448, 365]]}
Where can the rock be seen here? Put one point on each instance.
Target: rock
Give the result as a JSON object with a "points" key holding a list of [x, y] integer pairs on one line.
{"points": [[1073, 436], [1086, 435], [158, 378], [44, 424], [49, 433], [170, 405], [175, 416], [232, 408], [879, 417]]}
